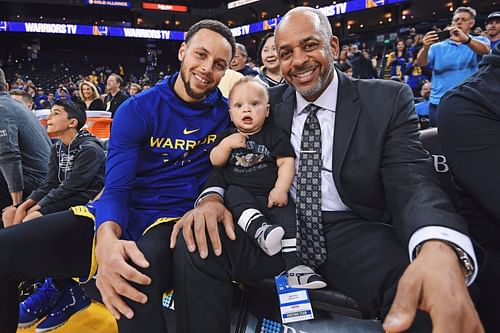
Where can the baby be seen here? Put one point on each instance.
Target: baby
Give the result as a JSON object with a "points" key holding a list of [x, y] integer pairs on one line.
{"points": [[257, 163]]}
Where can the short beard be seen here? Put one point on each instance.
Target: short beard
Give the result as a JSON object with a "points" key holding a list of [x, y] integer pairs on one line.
{"points": [[320, 85], [191, 93]]}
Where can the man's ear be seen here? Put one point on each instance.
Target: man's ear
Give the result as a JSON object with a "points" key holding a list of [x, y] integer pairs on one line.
{"points": [[73, 123], [268, 108], [182, 51], [334, 43]]}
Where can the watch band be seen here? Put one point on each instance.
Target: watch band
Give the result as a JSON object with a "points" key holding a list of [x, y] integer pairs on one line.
{"points": [[468, 40]]}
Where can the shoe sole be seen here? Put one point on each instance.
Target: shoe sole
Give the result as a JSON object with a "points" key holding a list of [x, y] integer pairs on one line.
{"points": [[28, 325], [37, 330], [272, 243]]}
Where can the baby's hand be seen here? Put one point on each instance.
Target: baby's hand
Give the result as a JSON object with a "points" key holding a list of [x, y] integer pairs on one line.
{"points": [[236, 140], [277, 197]]}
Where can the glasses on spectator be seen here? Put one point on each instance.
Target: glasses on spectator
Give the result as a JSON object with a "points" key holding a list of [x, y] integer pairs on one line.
{"points": [[458, 19]]}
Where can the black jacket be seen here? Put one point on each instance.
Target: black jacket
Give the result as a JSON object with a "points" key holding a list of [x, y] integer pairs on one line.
{"points": [[469, 131], [76, 169], [112, 103], [96, 105]]}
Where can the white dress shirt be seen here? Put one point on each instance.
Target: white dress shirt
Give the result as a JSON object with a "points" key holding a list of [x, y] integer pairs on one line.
{"points": [[330, 198]]}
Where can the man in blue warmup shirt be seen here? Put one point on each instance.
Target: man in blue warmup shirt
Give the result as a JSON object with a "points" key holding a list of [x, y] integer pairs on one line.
{"points": [[157, 164]]}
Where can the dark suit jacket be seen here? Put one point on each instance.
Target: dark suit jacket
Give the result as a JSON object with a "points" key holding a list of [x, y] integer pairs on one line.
{"points": [[380, 168], [115, 102], [96, 105]]}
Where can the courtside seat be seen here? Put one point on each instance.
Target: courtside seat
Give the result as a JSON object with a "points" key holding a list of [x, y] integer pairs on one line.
{"points": [[325, 299], [430, 140], [333, 312]]}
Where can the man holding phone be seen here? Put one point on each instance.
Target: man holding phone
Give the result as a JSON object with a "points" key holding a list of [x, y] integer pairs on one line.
{"points": [[453, 59]]}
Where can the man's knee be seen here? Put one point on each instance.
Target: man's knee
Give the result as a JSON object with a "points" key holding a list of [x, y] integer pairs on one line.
{"points": [[182, 254]]}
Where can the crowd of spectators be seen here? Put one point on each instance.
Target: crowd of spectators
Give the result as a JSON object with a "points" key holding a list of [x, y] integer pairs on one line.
{"points": [[362, 59]]}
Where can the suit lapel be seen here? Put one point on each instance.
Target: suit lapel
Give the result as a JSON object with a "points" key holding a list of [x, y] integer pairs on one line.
{"points": [[347, 114], [283, 111]]}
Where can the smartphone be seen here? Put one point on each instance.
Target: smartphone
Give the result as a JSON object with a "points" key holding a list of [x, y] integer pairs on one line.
{"points": [[442, 35]]}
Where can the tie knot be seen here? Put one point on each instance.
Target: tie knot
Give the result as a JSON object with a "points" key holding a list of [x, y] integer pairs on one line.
{"points": [[312, 108]]}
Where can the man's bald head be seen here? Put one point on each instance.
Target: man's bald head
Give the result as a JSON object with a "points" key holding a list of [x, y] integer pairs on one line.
{"points": [[320, 20]]}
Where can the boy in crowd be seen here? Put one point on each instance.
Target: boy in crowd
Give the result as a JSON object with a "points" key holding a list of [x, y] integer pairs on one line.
{"points": [[76, 175], [258, 169]]}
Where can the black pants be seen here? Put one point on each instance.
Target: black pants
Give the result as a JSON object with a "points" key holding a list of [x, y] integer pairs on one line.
{"points": [[60, 246], [5, 199], [365, 261], [433, 114], [237, 199]]}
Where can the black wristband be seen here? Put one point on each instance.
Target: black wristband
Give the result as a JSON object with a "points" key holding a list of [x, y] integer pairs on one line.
{"points": [[468, 40], [17, 206]]}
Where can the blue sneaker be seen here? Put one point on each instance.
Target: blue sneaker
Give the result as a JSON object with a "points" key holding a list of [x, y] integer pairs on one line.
{"points": [[38, 304], [72, 300]]}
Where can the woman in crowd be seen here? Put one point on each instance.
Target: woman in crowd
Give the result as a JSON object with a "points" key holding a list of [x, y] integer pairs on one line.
{"points": [[417, 75], [90, 98], [398, 60], [270, 74]]}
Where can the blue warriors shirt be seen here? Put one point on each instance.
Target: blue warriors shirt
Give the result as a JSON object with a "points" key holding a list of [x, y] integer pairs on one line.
{"points": [[158, 156]]}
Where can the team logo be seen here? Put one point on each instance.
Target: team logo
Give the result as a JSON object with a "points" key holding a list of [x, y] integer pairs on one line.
{"points": [[187, 132]]}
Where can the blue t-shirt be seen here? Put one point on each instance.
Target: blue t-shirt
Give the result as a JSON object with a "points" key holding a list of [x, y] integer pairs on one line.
{"points": [[451, 64], [158, 156], [494, 43], [422, 108]]}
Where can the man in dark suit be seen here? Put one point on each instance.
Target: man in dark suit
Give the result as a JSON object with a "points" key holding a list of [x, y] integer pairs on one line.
{"points": [[115, 96], [469, 127], [392, 236]]}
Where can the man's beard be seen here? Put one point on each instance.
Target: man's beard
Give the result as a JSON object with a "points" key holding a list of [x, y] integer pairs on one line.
{"points": [[191, 93], [320, 85]]}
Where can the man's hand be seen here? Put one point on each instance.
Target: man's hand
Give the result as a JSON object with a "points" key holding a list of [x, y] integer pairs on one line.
{"points": [[277, 198], [8, 214], [435, 283], [114, 272], [34, 208], [32, 215], [21, 213], [204, 219], [430, 38], [458, 35]]}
